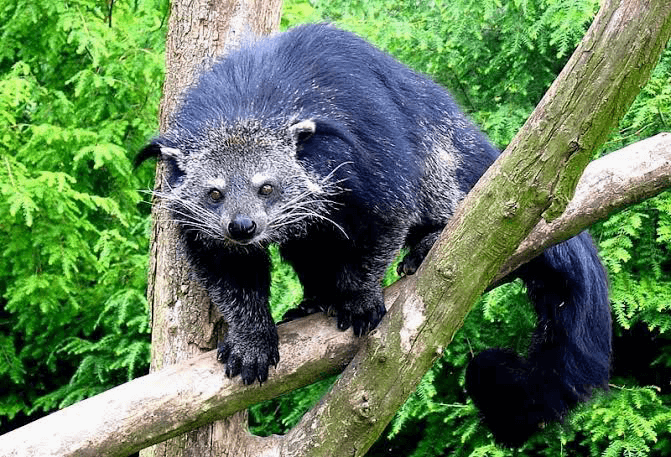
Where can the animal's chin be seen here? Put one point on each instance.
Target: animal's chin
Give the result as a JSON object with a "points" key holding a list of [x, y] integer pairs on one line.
{"points": [[242, 242], [255, 241]]}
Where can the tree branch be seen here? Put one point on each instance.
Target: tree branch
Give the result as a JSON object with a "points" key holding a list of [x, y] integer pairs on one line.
{"points": [[169, 402]]}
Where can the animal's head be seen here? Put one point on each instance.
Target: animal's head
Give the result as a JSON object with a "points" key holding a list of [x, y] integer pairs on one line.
{"points": [[241, 184]]}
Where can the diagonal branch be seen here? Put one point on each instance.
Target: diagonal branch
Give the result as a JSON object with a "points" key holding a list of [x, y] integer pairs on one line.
{"points": [[182, 397]]}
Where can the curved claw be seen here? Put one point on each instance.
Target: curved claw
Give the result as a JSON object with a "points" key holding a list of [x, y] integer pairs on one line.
{"points": [[362, 323], [250, 359], [305, 308]]}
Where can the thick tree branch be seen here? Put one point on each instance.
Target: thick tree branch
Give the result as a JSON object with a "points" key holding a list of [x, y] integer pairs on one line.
{"points": [[184, 396]]}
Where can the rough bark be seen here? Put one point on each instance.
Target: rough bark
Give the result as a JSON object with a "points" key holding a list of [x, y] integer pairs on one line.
{"points": [[184, 322], [184, 396]]}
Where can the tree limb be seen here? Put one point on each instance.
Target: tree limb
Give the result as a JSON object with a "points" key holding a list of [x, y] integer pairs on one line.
{"points": [[172, 401]]}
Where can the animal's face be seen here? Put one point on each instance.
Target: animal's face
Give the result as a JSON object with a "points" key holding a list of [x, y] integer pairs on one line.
{"points": [[243, 184]]}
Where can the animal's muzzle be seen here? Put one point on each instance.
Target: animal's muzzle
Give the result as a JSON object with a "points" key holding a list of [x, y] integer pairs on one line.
{"points": [[242, 228]]}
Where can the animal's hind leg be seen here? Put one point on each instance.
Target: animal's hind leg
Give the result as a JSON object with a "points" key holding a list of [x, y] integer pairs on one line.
{"points": [[419, 248]]}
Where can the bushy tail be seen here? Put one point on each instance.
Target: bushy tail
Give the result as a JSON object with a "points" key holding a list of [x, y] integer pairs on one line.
{"points": [[569, 353]]}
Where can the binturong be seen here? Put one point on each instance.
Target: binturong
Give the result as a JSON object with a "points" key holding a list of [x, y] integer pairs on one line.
{"points": [[318, 142]]}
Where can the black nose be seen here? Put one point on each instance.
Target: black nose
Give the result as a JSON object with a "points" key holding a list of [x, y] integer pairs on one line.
{"points": [[242, 228]]}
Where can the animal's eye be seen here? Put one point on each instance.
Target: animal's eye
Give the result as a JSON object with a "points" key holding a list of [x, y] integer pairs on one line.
{"points": [[215, 195], [266, 189]]}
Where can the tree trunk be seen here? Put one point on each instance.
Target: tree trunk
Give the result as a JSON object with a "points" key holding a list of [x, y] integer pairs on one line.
{"points": [[184, 321]]}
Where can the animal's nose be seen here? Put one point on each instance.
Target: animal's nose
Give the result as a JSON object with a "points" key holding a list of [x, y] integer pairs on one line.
{"points": [[241, 228]]}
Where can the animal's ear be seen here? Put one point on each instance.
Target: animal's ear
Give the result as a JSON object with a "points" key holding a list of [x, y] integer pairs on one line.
{"points": [[157, 150], [302, 131]]}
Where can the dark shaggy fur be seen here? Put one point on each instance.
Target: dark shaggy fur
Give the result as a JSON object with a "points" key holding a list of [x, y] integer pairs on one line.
{"points": [[315, 140]]}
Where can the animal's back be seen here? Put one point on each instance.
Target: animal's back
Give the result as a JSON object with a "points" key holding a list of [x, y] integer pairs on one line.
{"points": [[406, 134]]}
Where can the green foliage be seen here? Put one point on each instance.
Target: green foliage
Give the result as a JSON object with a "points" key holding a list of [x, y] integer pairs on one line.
{"points": [[635, 247], [77, 97], [625, 422], [286, 291], [279, 415]]}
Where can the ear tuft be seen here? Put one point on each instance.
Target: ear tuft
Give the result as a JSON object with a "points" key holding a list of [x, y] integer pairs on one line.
{"points": [[158, 151], [151, 151], [303, 130], [173, 153]]}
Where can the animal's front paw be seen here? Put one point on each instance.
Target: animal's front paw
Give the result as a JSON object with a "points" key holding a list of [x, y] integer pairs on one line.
{"points": [[362, 317], [249, 355]]}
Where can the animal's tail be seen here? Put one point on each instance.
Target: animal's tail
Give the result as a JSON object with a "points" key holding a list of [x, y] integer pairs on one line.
{"points": [[569, 354]]}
